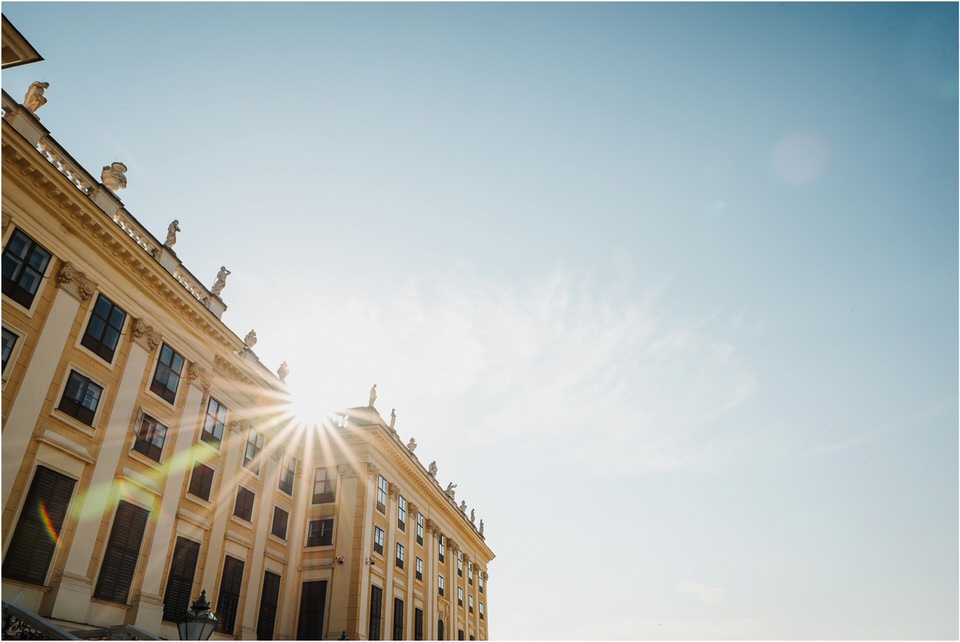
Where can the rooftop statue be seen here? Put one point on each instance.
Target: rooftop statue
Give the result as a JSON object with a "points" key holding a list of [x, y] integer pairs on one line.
{"points": [[433, 468], [283, 371], [473, 516], [113, 177], [393, 419], [450, 490], [481, 527], [412, 444], [373, 395], [172, 230], [463, 506], [221, 280], [34, 99], [251, 339]]}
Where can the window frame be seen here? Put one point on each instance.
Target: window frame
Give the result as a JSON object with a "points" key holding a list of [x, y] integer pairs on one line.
{"points": [[381, 494], [274, 527], [401, 513], [248, 498], [146, 444], [193, 473], [78, 405], [440, 585], [323, 532], [12, 283], [97, 344], [255, 442], [9, 353], [214, 436], [420, 522], [286, 470], [121, 553], [161, 387], [324, 479], [419, 569], [401, 555], [378, 538]]}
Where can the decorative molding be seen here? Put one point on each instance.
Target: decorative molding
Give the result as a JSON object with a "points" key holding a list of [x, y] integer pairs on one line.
{"points": [[65, 445], [74, 282], [199, 376], [145, 336]]}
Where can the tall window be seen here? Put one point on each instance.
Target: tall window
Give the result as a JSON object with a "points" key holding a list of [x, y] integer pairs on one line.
{"points": [[417, 624], [324, 485], [104, 328], [269, 599], [401, 513], [442, 546], [481, 610], [313, 599], [470, 572], [120, 557], [470, 603], [480, 580], [400, 555], [243, 508], [460, 563], [24, 263], [287, 472], [381, 494], [459, 596], [440, 585], [37, 533], [230, 583], [419, 569], [251, 453], [440, 630], [397, 618], [460, 634], [166, 377], [320, 532], [183, 566], [201, 481], [150, 437], [80, 398], [419, 529], [9, 340], [376, 606], [280, 519], [378, 539], [213, 422]]}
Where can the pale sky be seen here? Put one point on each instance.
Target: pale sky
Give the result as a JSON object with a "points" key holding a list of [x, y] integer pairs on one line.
{"points": [[669, 290]]}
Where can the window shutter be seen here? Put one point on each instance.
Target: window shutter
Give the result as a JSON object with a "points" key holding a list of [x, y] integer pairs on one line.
{"points": [[176, 601], [120, 556]]}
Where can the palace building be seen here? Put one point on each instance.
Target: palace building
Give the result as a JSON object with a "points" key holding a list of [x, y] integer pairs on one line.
{"points": [[148, 455]]}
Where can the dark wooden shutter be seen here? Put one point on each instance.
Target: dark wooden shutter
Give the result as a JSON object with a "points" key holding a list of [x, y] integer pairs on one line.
{"points": [[269, 598], [176, 601], [376, 603], [440, 630], [122, 552], [229, 598], [417, 624], [313, 599], [397, 618], [35, 538]]}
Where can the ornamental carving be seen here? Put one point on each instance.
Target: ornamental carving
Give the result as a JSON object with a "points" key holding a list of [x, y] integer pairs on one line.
{"points": [[239, 425], [75, 282], [199, 375], [145, 335]]}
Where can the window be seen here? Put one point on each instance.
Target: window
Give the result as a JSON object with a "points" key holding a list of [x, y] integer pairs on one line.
{"points": [[287, 472], [243, 508], [183, 566], [397, 618], [201, 481], [324, 489], [417, 624], [419, 529], [440, 630], [24, 263], [9, 340], [378, 539], [442, 547], [150, 437], [470, 603], [230, 583], [481, 610], [123, 549], [280, 519], [460, 563], [213, 422], [269, 600], [313, 600], [401, 513], [320, 532], [440, 585], [459, 596], [251, 453], [104, 328], [470, 573], [37, 533], [480, 580], [166, 378], [381, 494], [400, 554], [80, 398], [420, 569], [459, 634], [376, 604]]}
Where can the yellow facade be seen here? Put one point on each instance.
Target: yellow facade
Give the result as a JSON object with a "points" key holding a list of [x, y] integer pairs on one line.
{"points": [[148, 454]]}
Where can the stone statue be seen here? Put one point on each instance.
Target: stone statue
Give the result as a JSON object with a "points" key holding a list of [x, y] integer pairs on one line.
{"points": [[172, 230], [463, 506], [373, 395], [283, 371], [481, 527], [393, 419], [112, 176], [34, 99], [221, 280], [450, 490], [251, 339], [433, 468], [473, 516], [412, 444]]}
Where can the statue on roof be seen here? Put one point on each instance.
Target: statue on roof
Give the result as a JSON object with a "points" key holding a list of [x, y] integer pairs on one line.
{"points": [[172, 230], [251, 339], [412, 444], [473, 516], [373, 395], [393, 419], [34, 99], [113, 177], [463, 506], [451, 493], [221, 280], [481, 528], [283, 371], [433, 469]]}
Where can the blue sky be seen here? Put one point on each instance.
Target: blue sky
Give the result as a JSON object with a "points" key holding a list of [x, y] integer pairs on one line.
{"points": [[669, 290]]}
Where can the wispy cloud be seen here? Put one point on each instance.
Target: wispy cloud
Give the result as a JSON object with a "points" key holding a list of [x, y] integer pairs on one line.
{"points": [[700, 591]]}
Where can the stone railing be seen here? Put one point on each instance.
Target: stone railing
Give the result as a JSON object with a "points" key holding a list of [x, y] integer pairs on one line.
{"points": [[52, 152], [188, 281], [23, 624]]}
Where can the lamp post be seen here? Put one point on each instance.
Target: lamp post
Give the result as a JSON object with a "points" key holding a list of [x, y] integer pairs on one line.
{"points": [[199, 623]]}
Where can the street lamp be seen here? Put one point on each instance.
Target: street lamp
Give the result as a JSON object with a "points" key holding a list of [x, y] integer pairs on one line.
{"points": [[199, 623]]}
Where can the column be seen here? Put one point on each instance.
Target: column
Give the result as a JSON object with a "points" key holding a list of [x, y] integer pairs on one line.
{"points": [[390, 556], [430, 581], [290, 583], [345, 537], [72, 597]]}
